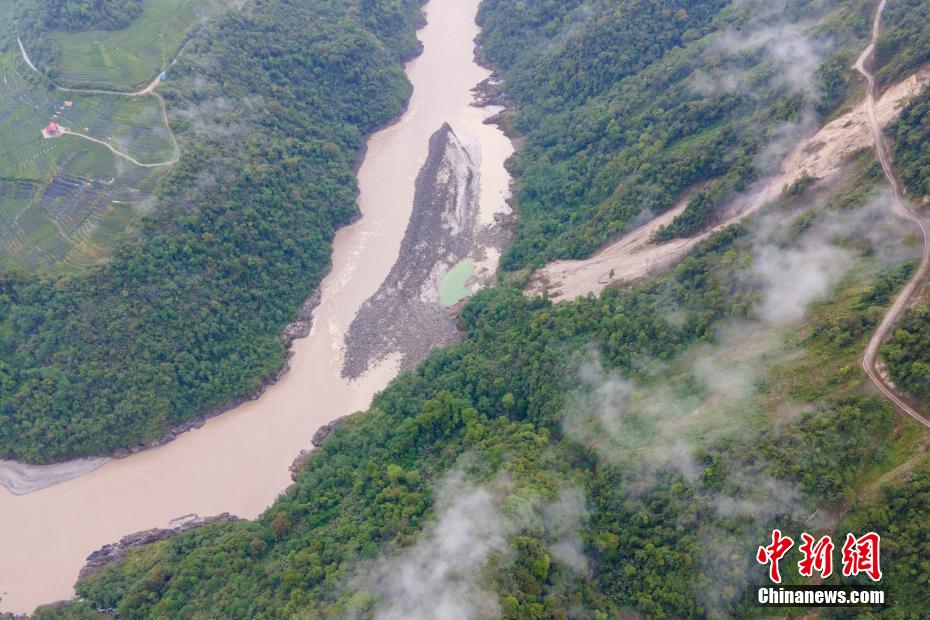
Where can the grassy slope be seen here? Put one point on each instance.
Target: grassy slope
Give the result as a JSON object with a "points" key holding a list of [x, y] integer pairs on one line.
{"points": [[6, 14], [49, 223]]}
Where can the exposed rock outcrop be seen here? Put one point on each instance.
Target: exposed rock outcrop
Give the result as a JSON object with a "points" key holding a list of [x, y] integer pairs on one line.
{"points": [[637, 254], [405, 314], [115, 551]]}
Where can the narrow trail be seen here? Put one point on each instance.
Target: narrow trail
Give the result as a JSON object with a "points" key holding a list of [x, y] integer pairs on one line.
{"points": [[148, 90], [870, 357]]}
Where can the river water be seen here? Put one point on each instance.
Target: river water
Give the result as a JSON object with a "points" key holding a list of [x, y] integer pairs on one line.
{"points": [[238, 462]]}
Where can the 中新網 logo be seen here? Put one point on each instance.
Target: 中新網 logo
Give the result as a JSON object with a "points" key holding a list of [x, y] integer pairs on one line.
{"points": [[860, 555]]}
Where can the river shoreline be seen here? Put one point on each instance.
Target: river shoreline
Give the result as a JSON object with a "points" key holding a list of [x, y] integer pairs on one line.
{"points": [[406, 315], [238, 462], [22, 478], [454, 220]]}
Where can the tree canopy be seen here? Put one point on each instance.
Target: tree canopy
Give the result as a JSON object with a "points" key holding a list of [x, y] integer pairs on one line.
{"points": [[76, 15]]}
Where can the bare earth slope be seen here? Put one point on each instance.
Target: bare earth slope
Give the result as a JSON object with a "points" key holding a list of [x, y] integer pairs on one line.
{"points": [[636, 255]]}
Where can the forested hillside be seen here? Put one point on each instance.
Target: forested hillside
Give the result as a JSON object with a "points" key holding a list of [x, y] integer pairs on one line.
{"points": [[522, 432], [910, 135], [270, 106], [89, 14], [626, 454], [637, 102], [904, 45], [907, 352]]}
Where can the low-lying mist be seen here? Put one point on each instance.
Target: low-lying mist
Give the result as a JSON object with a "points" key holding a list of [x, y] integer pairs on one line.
{"points": [[652, 428]]}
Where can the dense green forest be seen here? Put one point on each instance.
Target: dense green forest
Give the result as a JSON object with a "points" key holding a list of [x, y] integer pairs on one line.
{"points": [[649, 526], [643, 100], [909, 136], [191, 314], [612, 456], [72, 15], [900, 510], [907, 352], [904, 44]]}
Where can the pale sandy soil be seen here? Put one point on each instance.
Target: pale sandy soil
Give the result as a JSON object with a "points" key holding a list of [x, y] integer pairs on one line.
{"points": [[20, 478], [636, 254]]}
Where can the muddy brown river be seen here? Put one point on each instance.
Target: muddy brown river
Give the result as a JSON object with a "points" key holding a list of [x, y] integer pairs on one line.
{"points": [[238, 462]]}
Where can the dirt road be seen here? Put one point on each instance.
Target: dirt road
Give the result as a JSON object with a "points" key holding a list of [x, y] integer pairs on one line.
{"points": [[25, 55], [870, 358], [170, 162], [148, 90]]}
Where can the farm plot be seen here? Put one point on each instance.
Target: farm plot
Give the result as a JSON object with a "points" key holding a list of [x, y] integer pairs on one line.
{"points": [[131, 57], [65, 201], [132, 125]]}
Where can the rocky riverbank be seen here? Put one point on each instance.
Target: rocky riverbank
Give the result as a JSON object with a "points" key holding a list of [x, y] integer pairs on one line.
{"points": [[23, 478], [108, 554], [405, 315], [115, 551]]}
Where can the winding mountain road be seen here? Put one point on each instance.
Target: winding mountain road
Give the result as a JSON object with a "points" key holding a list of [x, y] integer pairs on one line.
{"points": [[148, 90], [870, 357]]}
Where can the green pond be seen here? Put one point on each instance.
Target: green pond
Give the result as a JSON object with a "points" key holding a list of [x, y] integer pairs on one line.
{"points": [[452, 287]]}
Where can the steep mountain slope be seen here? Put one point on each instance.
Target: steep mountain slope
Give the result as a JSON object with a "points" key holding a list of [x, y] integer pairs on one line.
{"points": [[627, 107], [907, 351], [622, 454], [608, 481]]}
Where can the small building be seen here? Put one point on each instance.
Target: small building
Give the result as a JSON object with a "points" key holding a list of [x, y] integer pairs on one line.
{"points": [[51, 131]]}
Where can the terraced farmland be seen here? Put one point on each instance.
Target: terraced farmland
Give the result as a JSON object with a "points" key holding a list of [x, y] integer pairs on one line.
{"points": [[129, 58], [65, 201]]}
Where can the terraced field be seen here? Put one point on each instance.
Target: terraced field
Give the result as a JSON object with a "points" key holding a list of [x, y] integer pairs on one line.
{"points": [[128, 58], [65, 201]]}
